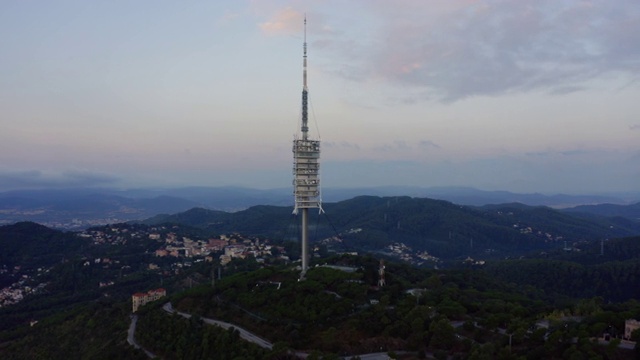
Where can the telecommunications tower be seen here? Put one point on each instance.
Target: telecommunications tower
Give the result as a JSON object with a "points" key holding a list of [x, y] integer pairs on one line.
{"points": [[306, 166]]}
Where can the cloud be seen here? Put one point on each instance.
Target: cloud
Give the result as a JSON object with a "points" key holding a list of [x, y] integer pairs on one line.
{"points": [[562, 90], [31, 179], [574, 152], [341, 145], [563, 153], [428, 144], [284, 22], [550, 172], [462, 49], [634, 127], [228, 17], [396, 145]]}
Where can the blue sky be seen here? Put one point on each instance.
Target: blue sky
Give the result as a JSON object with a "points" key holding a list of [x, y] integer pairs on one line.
{"points": [[527, 96]]}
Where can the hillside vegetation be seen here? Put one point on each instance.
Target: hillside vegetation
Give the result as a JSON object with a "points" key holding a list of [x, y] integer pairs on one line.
{"points": [[466, 311], [443, 229], [464, 314]]}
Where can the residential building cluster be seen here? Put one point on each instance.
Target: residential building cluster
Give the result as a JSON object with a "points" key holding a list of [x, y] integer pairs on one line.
{"points": [[110, 235], [397, 250], [405, 253], [182, 246], [233, 246], [524, 229], [173, 244], [529, 230], [630, 325], [140, 299], [15, 292], [401, 251], [424, 255]]}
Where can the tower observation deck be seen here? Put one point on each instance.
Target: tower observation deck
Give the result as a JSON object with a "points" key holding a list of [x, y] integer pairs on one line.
{"points": [[306, 166]]}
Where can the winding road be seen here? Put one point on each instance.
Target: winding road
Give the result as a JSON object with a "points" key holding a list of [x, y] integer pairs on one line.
{"points": [[131, 339], [244, 334]]}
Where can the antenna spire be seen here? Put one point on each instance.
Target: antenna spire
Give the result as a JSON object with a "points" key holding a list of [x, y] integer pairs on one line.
{"points": [[304, 57], [305, 127]]}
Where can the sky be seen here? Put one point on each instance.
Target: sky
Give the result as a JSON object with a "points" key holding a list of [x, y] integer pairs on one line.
{"points": [[518, 95]]}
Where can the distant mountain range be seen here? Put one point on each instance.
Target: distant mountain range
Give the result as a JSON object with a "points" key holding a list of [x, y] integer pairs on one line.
{"points": [[631, 211], [74, 208], [445, 229], [77, 208]]}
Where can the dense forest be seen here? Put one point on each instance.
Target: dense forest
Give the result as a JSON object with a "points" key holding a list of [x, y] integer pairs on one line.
{"points": [[28, 244], [585, 271], [541, 304], [173, 337], [87, 330], [460, 314]]}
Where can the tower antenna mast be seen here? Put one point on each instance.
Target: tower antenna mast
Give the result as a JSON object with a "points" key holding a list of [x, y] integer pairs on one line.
{"points": [[306, 166], [305, 90]]}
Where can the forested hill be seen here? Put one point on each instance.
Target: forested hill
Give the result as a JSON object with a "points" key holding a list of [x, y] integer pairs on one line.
{"points": [[580, 273], [31, 244], [628, 211], [440, 227]]}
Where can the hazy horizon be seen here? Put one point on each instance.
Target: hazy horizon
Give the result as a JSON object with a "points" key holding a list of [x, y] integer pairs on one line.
{"points": [[619, 197], [521, 96]]}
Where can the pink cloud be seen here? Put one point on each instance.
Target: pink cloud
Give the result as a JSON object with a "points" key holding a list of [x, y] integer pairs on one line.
{"points": [[285, 21], [464, 48]]}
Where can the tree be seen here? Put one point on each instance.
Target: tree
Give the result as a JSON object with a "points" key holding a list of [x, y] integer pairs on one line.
{"points": [[443, 334]]}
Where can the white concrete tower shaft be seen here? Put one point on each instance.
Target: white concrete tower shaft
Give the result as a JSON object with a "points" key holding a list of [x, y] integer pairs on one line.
{"points": [[306, 165]]}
